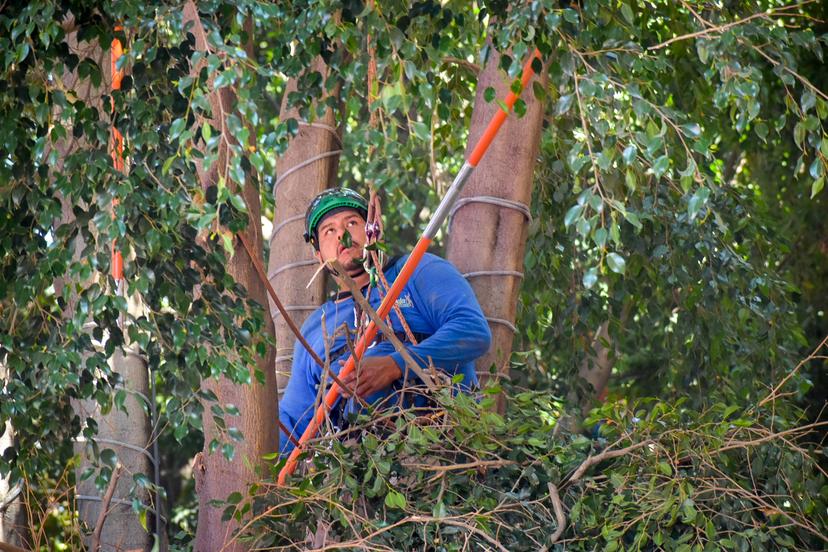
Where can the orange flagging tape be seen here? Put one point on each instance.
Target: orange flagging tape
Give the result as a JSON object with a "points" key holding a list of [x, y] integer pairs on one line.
{"points": [[116, 148]]}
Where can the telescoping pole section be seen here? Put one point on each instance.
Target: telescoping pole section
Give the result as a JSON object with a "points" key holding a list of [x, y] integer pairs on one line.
{"points": [[413, 260]]}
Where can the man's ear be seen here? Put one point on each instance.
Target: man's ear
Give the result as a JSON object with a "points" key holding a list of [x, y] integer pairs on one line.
{"points": [[318, 256]]}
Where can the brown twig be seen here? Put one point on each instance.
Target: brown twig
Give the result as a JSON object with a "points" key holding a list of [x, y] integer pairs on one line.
{"points": [[465, 466], [773, 394], [606, 455], [107, 498], [722, 28], [380, 323], [560, 517]]}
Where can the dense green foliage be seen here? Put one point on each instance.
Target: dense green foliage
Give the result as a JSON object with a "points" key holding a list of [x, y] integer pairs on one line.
{"points": [[465, 478], [678, 195]]}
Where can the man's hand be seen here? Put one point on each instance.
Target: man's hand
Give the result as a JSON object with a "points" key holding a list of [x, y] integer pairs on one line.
{"points": [[374, 374]]}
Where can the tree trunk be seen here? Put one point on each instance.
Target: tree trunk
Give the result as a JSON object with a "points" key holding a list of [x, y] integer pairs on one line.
{"points": [[127, 432], [597, 367], [307, 167], [12, 514], [486, 240], [216, 476]]}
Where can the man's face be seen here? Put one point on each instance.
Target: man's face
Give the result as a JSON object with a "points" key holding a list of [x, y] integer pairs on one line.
{"points": [[330, 234]]}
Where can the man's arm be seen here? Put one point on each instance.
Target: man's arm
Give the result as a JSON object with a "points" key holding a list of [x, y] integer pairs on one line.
{"points": [[296, 406], [447, 302]]}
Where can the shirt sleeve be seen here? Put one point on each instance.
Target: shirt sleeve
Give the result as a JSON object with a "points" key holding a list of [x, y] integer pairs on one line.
{"points": [[447, 302], [296, 406]]}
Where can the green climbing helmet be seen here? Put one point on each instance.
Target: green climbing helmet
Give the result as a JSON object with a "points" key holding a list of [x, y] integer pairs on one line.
{"points": [[327, 201]]}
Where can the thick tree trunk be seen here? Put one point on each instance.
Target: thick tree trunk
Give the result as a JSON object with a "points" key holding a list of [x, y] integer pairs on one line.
{"points": [[216, 476], [307, 167], [487, 236], [127, 432]]}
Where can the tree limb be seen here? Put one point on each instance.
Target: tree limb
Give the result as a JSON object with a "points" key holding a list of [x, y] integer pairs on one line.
{"points": [[107, 498]]}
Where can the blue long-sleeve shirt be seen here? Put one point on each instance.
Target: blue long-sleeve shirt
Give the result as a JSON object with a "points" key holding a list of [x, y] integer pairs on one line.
{"points": [[436, 302]]}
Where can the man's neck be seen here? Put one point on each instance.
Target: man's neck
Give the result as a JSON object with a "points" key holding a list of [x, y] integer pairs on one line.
{"points": [[361, 280]]}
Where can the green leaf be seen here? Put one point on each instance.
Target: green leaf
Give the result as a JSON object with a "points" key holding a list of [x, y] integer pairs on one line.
{"points": [[815, 170], [573, 213], [238, 202], [697, 201], [600, 236], [422, 131], [176, 127], [489, 94], [661, 165], [817, 186], [627, 12], [520, 108], [395, 500], [590, 277], [142, 519], [616, 263], [563, 104], [808, 101], [631, 180], [629, 153], [109, 457]]}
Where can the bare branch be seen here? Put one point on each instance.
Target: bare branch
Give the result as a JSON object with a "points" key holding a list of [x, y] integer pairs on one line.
{"points": [[107, 498], [605, 455]]}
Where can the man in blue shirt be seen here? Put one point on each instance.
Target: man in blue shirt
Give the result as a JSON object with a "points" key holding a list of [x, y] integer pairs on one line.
{"points": [[437, 303]]}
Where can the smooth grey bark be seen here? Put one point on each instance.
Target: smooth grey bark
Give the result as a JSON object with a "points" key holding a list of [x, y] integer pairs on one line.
{"points": [[127, 434], [13, 526]]}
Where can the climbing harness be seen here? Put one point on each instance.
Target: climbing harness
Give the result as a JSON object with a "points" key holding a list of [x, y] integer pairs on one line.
{"points": [[414, 258]]}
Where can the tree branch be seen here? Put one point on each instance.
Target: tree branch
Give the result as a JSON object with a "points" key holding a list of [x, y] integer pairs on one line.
{"points": [[605, 455], [107, 498]]}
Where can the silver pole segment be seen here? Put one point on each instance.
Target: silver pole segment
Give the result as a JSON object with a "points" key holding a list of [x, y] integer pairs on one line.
{"points": [[448, 201]]}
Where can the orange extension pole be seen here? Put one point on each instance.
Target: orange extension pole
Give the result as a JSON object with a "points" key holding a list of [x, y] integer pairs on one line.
{"points": [[408, 268]]}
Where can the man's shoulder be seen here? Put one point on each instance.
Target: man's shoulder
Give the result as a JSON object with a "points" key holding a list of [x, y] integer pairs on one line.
{"points": [[314, 318], [428, 259]]}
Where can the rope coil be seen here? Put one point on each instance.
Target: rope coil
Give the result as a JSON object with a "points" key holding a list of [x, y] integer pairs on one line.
{"points": [[284, 223], [502, 322], [135, 448], [491, 200], [476, 273], [323, 126], [288, 266], [274, 314], [302, 165]]}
